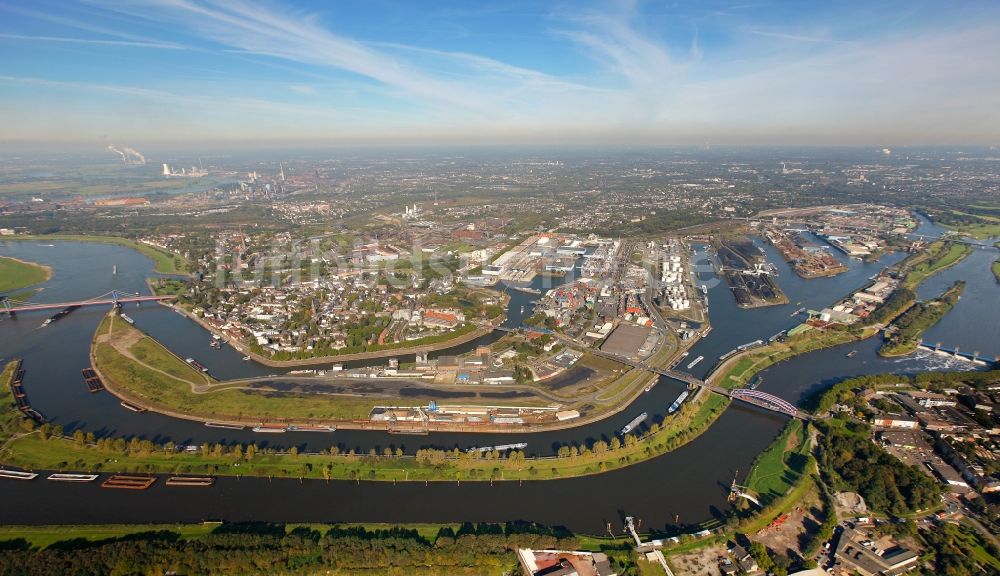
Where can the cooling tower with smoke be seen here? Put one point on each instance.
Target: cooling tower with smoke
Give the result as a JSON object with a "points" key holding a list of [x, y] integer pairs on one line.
{"points": [[130, 156]]}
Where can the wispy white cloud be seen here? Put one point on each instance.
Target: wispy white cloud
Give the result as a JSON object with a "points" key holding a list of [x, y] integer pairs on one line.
{"points": [[764, 79], [612, 38], [65, 40], [795, 37], [265, 31]]}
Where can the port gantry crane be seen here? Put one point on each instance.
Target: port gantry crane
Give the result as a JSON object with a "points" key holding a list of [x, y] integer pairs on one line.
{"points": [[736, 491]]}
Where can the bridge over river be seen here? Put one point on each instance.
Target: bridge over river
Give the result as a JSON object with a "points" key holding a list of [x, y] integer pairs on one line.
{"points": [[754, 397], [113, 297]]}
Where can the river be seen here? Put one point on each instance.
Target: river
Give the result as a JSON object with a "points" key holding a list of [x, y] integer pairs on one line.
{"points": [[689, 483]]}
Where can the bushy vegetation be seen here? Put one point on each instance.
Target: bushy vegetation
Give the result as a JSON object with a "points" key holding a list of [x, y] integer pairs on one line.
{"points": [[901, 299], [271, 549], [824, 533], [910, 327], [958, 550], [845, 391], [851, 461]]}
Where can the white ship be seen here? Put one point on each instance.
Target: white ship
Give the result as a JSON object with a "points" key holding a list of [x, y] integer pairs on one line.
{"points": [[634, 423]]}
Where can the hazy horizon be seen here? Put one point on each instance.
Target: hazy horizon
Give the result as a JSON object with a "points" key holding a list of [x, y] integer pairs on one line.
{"points": [[214, 74]]}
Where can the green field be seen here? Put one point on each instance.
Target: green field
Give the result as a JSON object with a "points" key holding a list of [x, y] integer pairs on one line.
{"points": [[146, 383], [164, 262], [779, 467], [996, 270], [44, 536], [746, 366], [938, 256], [15, 274], [986, 227]]}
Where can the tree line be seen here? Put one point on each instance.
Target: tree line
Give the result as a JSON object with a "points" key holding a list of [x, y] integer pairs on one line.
{"points": [[260, 548]]}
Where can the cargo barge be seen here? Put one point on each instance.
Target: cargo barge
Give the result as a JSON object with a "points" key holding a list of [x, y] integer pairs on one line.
{"points": [[72, 477], [132, 407], [92, 380], [196, 364], [677, 403], [17, 475], [294, 428], [695, 362], [60, 314], [270, 428], [633, 424], [500, 448], [225, 425], [190, 481], [122, 482]]}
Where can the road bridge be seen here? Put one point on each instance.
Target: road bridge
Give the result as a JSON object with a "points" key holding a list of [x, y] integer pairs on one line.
{"points": [[114, 297]]}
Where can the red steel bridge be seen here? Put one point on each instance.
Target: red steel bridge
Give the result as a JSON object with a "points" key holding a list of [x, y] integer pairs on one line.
{"points": [[749, 396], [113, 297]]}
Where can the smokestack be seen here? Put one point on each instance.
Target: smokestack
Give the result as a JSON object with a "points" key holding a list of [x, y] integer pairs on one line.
{"points": [[166, 170]]}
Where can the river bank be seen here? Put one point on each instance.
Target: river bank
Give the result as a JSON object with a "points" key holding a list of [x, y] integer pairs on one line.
{"points": [[164, 261], [17, 274], [41, 450]]}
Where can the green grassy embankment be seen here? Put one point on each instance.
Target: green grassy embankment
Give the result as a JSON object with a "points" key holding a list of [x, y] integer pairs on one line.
{"points": [[937, 256], [155, 378], [39, 451], [778, 468], [17, 274]]}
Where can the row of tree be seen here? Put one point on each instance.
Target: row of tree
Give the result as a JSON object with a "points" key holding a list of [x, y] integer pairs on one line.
{"points": [[271, 549]]}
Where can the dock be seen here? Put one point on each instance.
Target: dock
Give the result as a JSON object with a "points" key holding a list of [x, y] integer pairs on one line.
{"points": [[191, 481], [122, 482], [92, 380]]}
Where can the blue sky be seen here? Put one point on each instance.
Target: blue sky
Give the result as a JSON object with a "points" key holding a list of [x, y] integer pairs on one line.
{"points": [[906, 72]]}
